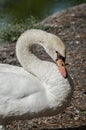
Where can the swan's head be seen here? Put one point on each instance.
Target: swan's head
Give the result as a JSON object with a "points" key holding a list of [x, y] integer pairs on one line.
{"points": [[56, 49]]}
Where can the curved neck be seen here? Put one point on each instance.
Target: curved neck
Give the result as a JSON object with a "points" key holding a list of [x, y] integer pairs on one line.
{"points": [[31, 63]]}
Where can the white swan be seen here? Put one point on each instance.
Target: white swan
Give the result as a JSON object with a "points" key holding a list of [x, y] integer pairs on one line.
{"points": [[42, 88]]}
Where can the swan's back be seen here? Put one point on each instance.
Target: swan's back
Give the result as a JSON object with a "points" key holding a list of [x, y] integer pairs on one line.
{"points": [[12, 69], [15, 82]]}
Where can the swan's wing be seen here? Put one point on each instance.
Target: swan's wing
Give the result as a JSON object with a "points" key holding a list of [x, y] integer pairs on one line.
{"points": [[16, 82], [20, 94], [13, 78], [13, 69]]}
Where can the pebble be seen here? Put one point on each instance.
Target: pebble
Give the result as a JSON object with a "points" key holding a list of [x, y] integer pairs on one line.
{"points": [[77, 42], [72, 14], [76, 118], [77, 36]]}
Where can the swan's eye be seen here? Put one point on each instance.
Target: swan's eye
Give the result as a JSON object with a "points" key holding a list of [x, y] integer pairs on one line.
{"points": [[59, 56], [56, 51]]}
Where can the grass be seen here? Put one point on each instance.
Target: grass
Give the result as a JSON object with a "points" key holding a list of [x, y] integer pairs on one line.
{"points": [[83, 112], [13, 31]]}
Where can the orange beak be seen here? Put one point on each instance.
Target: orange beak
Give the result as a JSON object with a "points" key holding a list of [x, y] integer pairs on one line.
{"points": [[62, 68]]}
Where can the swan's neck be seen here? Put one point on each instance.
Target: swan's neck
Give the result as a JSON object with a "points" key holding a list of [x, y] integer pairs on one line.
{"points": [[44, 70]]}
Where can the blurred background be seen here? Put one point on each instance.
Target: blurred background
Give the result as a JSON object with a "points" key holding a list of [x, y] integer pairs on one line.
{"points": [[19, 11]]}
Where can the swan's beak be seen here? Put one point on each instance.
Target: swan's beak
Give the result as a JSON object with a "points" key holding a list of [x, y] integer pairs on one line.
{"points": [[62, 68]]}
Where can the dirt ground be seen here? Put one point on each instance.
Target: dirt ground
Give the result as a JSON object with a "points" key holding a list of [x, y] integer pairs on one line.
{"points": [[70, 26]]}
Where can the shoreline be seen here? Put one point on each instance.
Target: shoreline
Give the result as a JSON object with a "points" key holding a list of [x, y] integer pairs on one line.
{"points": [[72, 11]]}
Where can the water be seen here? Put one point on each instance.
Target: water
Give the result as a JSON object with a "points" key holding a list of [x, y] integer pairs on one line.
{"points": [[15, 11]]}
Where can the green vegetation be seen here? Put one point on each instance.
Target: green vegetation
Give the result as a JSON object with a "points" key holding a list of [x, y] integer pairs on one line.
{"points": [[13, 31], [83, 112]]}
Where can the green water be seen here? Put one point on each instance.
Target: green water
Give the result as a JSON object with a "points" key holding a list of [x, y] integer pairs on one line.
{"points": [[15, 11]]}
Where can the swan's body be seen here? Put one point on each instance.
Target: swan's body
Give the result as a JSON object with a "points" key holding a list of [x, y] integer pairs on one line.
{"points": [[37, 90]]}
